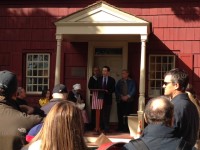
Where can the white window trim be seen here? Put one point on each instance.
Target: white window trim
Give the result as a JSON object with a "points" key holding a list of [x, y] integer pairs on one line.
{"points": [[49, 59]]}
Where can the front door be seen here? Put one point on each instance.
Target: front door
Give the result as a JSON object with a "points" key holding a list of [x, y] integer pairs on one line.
{"points": [[112, 54], [115, 64]]}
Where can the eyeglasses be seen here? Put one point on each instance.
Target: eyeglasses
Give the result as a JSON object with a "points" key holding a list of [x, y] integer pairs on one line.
{"points": [[166, 83]]}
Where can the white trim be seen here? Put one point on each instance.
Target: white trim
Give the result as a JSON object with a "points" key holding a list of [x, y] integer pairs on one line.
{"points": [[27, 76]]}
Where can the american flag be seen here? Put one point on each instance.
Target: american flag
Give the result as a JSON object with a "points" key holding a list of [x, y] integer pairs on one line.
{"points": [[96, 102]]}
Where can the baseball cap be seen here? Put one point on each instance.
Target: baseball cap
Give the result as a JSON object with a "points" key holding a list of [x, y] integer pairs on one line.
{"points": [[60, 88], [8, 82]]}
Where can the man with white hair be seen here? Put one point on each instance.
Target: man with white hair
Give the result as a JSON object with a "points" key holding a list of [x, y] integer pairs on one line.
{"points": [[59, 94]]}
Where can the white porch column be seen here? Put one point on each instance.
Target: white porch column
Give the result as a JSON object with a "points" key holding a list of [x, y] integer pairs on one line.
{"points": [[142, 80], [58, 59]]}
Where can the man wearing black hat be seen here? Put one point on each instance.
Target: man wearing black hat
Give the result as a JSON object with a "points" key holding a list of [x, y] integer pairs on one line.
{"points": [[59, 94], [14, 123]]}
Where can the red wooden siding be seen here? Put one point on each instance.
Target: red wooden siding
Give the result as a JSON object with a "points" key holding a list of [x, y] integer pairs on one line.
{"points": [[29, 27], [75, 59]]}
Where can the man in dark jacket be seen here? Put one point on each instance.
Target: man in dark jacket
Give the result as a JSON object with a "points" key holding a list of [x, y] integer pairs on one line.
{"points": [[159, 134], [107, 83], [125, 91], [186, 117], [14, 123], [22, 103]]}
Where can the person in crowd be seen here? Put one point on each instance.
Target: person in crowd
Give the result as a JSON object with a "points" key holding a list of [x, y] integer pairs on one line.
{"points": [[21, 95], [107, 83], [159, 133], [76, 97], [193, 98], [186, 117], [62, 130], [59, 94], [14, 123], [125, 91], [93, 84], [45, 97], [22, 103]]}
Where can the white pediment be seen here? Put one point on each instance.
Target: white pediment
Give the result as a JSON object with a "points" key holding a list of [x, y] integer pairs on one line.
{"points": [[100, 12], [101, 18]]}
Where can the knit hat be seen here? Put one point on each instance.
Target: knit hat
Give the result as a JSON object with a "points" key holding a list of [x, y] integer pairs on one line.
{"points": [[8, 82], [77, 86], [60, 88], [33, 132]]}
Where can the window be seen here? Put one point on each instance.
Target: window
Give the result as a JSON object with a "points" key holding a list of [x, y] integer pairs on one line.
{"points": [[108, 51], [37, 72], [158, 66]]}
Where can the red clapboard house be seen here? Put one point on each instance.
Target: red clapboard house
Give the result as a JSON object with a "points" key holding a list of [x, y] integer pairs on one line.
{"points": [[59, 41]]}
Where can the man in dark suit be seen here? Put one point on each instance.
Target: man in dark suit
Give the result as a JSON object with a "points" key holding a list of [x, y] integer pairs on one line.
{"points": [[108, 84]]}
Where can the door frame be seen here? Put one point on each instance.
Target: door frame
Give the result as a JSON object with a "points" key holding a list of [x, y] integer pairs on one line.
{"points": [[91, 50]]}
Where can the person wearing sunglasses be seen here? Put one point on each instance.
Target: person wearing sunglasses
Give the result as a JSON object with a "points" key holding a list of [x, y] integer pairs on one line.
{"points": [[186, 117]]}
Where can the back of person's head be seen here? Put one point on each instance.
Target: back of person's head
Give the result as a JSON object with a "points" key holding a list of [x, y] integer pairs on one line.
{"points": [[8, 84], [60, 91], [159, 110], [62, 129], [179, 76]]}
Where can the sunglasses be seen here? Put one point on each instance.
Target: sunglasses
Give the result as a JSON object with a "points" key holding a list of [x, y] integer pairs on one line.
{"points": [[166, 83]]}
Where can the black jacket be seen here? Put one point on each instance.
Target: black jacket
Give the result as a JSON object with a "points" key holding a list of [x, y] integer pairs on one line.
{"points": [[159, 137], [186, 118], [107, 96]]}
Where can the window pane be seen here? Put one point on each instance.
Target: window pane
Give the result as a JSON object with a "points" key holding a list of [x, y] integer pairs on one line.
{"points": [[40, 65], [40, 80]]}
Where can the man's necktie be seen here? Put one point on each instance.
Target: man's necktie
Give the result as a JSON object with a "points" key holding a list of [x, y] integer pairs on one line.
{"points": [[104, 83]]}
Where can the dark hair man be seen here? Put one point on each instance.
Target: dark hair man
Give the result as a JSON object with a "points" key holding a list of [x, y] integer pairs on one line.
{"points": [[159, 134], [107, 83], [186, 118]]}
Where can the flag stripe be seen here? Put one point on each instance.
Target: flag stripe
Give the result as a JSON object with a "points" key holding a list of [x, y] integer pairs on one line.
{"points": [[96, 103]]}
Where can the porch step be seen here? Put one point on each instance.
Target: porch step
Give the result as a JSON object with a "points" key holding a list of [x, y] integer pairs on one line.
{"points": [[91, 137]]}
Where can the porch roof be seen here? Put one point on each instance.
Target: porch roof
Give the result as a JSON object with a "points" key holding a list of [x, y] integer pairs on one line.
{"points": [[100, 19]]}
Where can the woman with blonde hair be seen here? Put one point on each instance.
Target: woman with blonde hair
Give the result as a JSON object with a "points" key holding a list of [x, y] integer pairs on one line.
{"points": [[192, 97], [191, 94], [62, 130]]}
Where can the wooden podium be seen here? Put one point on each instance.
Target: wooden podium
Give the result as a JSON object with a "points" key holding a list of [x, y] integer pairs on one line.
{"points": [[97, 104]]}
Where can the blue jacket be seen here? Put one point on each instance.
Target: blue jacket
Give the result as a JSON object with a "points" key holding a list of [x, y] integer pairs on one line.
{"points": [[159, 137], [131, 89]]}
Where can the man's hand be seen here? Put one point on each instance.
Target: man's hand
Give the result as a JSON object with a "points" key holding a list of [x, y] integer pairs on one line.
{"points": [[124, 98], [28, 109]]}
